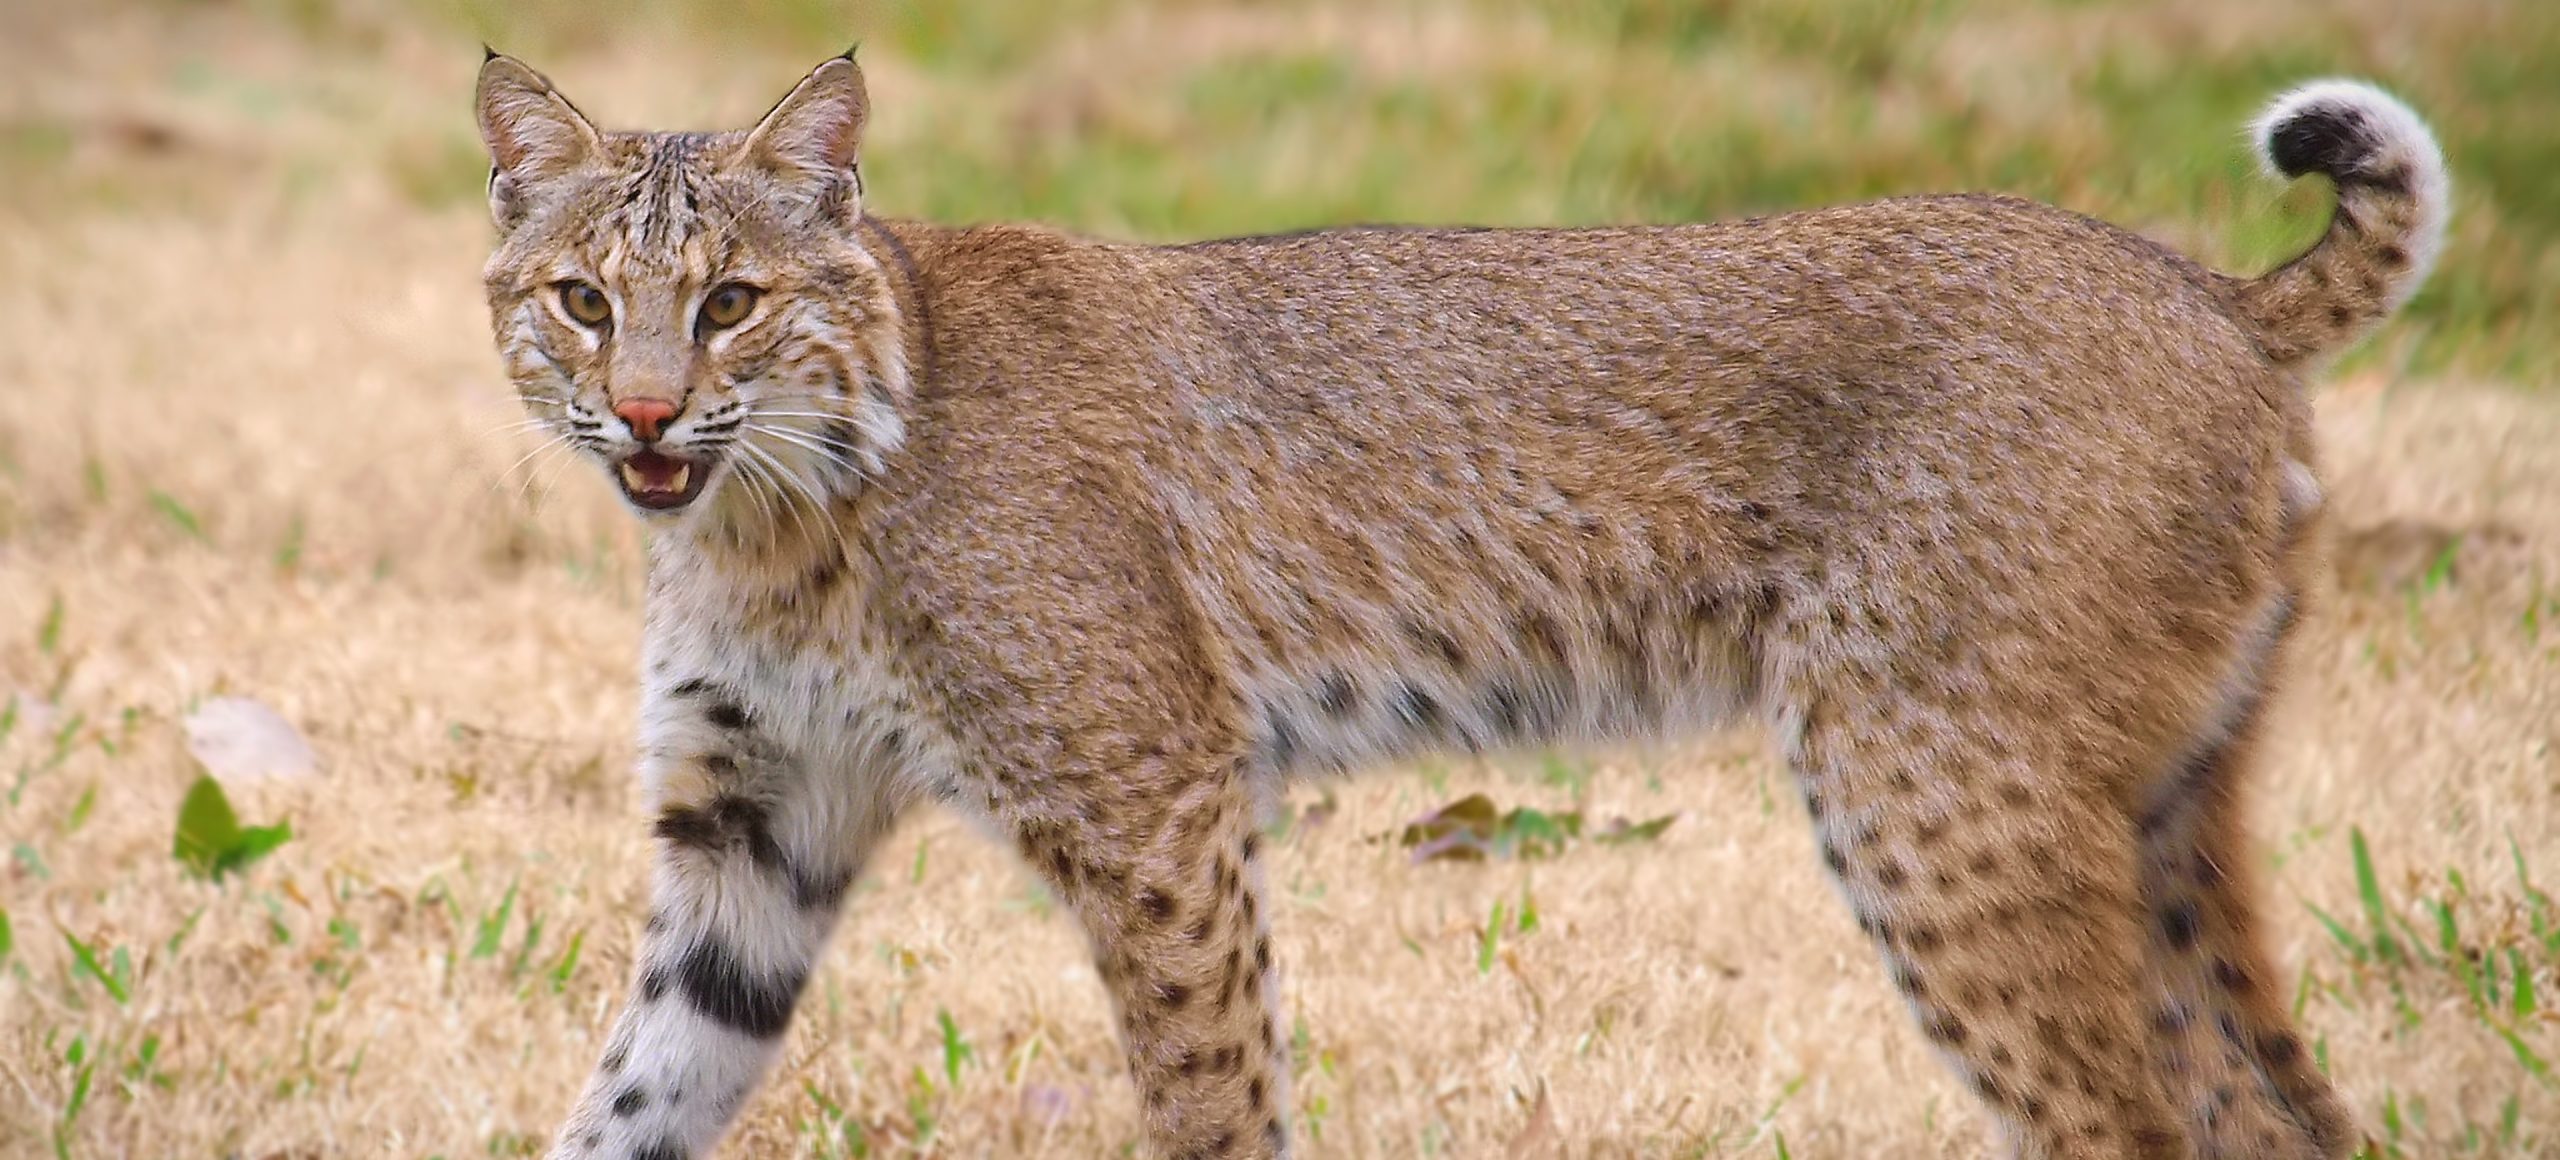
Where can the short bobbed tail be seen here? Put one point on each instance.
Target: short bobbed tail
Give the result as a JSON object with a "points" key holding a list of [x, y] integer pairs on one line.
{"points": [[2394, 198]]}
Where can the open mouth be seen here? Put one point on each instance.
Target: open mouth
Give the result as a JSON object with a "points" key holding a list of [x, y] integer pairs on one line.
{"points": [[661, 482]]}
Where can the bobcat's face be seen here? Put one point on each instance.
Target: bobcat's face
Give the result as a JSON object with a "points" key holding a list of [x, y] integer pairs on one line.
{"points": [[694, 310]]}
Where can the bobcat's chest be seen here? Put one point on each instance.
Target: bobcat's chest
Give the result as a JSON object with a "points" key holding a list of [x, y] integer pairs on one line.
{"points": [[797, 687]]}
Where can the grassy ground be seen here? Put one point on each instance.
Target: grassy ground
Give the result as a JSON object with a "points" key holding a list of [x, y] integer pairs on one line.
{"points": [[252, 448]]}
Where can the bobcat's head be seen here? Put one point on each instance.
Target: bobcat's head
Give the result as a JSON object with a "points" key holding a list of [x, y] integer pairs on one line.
{"points": [[696, 310]]}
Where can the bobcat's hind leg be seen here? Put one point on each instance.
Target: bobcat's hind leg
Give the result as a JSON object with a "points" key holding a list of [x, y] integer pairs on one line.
{"points": [[2224, 1037], [2001, 886]]}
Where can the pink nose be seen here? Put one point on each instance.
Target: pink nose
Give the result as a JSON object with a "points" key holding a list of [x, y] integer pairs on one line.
{"points": [[645, 415]]}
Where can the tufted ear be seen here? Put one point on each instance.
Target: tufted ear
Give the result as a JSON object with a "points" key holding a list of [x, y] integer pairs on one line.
{"points": [[812, 141], [534, 134]]}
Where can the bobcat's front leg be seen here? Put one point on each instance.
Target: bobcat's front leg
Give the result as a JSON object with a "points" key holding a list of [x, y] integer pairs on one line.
{"points": [[755, 852]]}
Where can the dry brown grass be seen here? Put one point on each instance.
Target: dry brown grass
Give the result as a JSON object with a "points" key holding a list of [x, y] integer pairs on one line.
{"points": [[218, 301]]}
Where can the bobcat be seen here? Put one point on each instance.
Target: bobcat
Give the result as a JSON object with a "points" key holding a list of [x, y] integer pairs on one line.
{"points": [[1997, 516]]}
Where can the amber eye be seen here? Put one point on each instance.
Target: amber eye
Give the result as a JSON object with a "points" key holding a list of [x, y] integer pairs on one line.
{"points": [[727, 306], [585, 303]]}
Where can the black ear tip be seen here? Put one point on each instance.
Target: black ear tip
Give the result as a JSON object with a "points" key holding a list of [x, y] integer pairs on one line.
{"points": [[848, 53], [487, 53]]}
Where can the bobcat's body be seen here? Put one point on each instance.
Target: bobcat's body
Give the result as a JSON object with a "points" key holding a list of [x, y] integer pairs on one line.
{"points": [[1996, 514]]}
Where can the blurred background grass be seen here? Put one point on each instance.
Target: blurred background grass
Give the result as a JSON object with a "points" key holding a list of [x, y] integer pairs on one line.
{"points": [[1186, 118], [1179, 120]]}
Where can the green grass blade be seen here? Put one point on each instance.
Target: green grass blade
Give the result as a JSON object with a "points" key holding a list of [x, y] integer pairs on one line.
{"points": [[2386, 947], [84, 961]]}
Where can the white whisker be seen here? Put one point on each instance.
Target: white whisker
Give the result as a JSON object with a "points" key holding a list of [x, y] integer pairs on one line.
{"points": [[820, 445], [784, 482], [539, 457], [767, 413], [518, 427], [757, 480], [555, 441]]}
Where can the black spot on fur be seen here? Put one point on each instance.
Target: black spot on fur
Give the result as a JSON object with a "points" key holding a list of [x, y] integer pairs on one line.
{"points": [[1505, 707], [1158, 905], [824, 574], [1419, 709], [692, 687], [662, 1150], [2178, 925], [1545, 636], [732, 821], [1335, 693], [721, 987], [630, 1102], [613, 1061], [728, 715], [1104, 876], [1284, 739], [1436, 641], [729, 820], [653, 985]]}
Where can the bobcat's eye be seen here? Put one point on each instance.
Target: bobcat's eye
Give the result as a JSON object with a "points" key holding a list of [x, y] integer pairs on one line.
{"points": [[727, 306], [585, 303]]}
